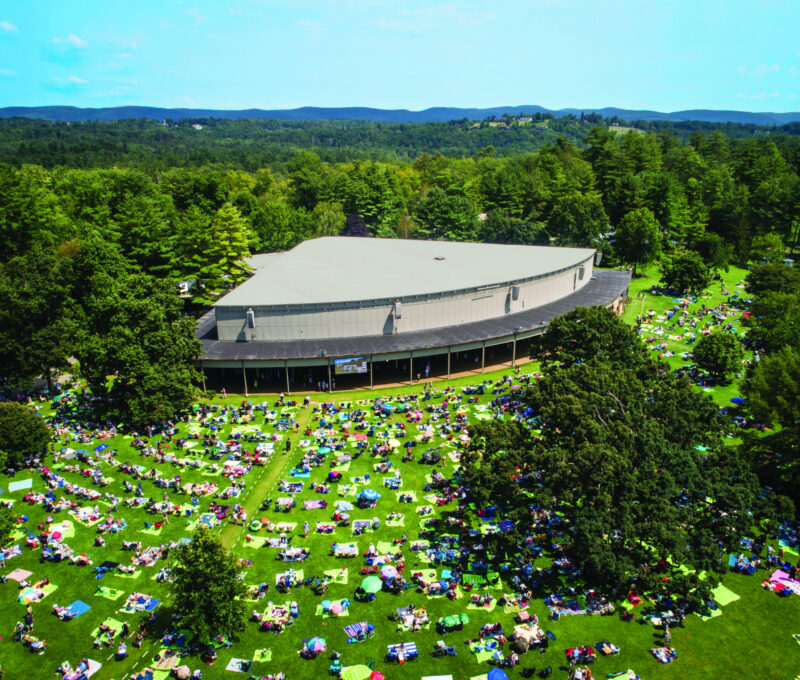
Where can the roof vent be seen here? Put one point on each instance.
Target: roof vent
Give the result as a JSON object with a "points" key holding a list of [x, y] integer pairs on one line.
{"points": [[438, 257]]}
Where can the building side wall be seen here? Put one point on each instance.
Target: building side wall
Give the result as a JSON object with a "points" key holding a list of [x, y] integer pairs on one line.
{"points": [[325, 321]]}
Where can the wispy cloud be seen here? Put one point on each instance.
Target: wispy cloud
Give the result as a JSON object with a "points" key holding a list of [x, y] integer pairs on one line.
{"points": [[305, 23], [8, 27], [196, 15], [766, 95], [424, 18], [7, 72], [792, 70], [71, 80], [73, 40]]}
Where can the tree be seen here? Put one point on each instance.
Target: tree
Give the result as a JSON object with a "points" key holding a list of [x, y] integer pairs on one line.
{"points": [[712, 248], [578, 220], [135, 331], [772, 388], [7, 520], [720, 354], [767, 249], [23, 433], [329, 220], [206, 588], [686, 272], [499, 227], [355, 225], [446, 216], [773, 277], [36, 324], [772, 393], [774, 321], [225, 264], [637, 240], [588, 333], [617, 457]]}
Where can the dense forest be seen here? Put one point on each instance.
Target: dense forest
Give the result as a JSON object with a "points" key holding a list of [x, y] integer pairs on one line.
{"points": [[257, 143], [93, 243]]}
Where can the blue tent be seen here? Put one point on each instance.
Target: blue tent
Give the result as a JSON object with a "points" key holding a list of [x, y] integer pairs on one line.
{"points": [[497, 674], [737, 400]]}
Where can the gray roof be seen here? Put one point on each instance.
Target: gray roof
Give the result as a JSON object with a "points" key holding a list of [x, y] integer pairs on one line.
{"points": [[602, 289], [346, 269]]}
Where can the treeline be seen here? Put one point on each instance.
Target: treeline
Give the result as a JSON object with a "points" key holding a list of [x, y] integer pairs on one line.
{"points": [[713, 194], [251, 144]]}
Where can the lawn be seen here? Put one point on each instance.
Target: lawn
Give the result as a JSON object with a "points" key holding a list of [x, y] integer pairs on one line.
{"points": [[753, 636]]}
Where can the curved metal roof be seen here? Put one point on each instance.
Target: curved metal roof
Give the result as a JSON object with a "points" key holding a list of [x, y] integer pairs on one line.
{"points": [[344, 269]]}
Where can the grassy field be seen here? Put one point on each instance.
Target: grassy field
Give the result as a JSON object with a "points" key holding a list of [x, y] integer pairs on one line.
{"points": [[752, 637]]}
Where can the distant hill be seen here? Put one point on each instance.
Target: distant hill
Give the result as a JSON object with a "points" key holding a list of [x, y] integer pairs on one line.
{"points": [[436, 114]]}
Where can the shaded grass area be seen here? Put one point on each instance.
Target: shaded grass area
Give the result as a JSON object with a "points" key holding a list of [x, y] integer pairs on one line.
{"points": [[751, 637]]}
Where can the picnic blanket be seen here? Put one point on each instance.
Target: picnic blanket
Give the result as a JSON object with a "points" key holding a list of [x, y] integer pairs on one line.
{"points": [[262, 655], [112, 623], [782, 577], [239, 665], [345, 549], [337, 575], [22, 484], [77, 608], [19, 575], [109, 593]]}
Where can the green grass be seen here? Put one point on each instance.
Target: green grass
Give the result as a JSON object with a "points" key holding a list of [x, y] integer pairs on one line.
{"points": [[661, 303], [751, 638]]}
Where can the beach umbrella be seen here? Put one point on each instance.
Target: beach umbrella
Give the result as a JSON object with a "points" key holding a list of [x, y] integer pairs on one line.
{"points": [[360, 672], [387, 407], [372, 584], [324, 449], [737, 400], [388, 572], [182, 672], [377, 675], [393, 443], [336, 608], [497, 674], [370, 494], [506, 525], [27, 596], [317, 644], [326, 604]]}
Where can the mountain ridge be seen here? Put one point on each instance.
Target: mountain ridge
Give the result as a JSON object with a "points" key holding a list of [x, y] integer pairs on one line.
{"points": [[433, 114]]}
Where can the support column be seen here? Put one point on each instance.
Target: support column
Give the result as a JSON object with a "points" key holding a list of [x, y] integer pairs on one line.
{"points": [[514, 353], [370, 372], [203, 376], [411, 367], [244, 375], [483, 356], [448, 363], [286, 368], [330, 384]]}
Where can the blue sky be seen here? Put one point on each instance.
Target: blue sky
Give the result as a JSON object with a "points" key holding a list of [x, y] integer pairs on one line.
{"points": [[656, 54]]}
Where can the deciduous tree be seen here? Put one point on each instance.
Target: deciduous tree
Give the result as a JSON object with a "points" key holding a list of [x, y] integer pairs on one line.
{"points": [[206, 588]]}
